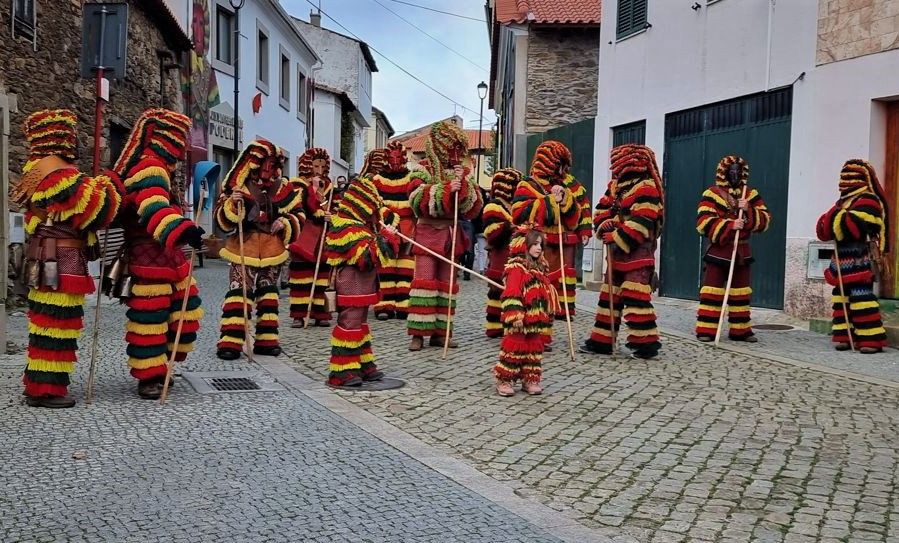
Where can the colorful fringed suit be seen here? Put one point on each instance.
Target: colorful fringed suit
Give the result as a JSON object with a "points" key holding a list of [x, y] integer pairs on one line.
{"points": [[64, 209], [529, 298], [535, 204], [266, 213], [433, 202], [356, 251], [393, 184], [715, 219], [315, 188], [859, 223], [497, 219], [628, 218], [155, 231]]}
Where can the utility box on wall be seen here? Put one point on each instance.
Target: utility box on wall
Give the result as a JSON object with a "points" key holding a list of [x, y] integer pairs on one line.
{"points": [[819, 255]]}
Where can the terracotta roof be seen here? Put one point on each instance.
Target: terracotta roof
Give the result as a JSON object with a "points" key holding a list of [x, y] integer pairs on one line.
{"points": [[415, 141], [580, 12]]}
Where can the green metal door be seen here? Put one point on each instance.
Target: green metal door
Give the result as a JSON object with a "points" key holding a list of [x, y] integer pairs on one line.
{"points": [[758, 129]]}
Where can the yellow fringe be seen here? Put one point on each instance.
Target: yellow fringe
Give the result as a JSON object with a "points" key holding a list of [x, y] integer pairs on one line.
{"points": [[57, 333], [37, 364], [60, 299], [147, 329], [151, 290], [146, 363]]}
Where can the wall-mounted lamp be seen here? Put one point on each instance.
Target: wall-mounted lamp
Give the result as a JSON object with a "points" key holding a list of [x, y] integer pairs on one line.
{"points": [[696, 6]]}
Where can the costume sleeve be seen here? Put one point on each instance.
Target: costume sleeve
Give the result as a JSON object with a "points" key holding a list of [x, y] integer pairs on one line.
{"points": [[825, 227], [711, 218], [151, 189], [533, 205], [471, 201], [860, 220], [606, 210], [580, 222], [228, 214], [88, 203], [758, 218], [513, 294], [288, 201], [388, 247], [497, 224], [642, 206], [437, 201]]}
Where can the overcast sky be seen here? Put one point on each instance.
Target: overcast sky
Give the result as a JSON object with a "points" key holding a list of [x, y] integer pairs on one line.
{"points": [[407, 103]]}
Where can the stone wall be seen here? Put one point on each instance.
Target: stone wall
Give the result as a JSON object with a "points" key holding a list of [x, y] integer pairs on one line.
{"points": [[853, 28], [563, 73], [50, 77]]}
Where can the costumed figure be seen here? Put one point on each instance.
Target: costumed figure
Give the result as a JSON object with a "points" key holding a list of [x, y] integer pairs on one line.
{"points": [[315, 187], [859, 224], [255, 194], [628, 219], [432, 197], [356, 250], [393, 184], [550, 195], [155, 230], [498, 228], [64, 208], [529, 304], [719, 219]]}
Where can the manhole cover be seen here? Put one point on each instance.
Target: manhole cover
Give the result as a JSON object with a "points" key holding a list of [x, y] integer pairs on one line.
{"points": [[387, 383], [232, 384], [216, 382], [774, 327]]}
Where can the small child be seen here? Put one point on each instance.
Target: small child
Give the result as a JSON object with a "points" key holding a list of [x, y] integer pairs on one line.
{"points": [[529, 304]]}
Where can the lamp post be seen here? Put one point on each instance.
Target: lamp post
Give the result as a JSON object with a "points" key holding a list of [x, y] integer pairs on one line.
{"points": [[236, 4], [482, 93]]}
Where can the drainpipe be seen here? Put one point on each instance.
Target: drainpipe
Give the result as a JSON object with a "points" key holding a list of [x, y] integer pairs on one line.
{"points": [[771, 5], [310, 116]]}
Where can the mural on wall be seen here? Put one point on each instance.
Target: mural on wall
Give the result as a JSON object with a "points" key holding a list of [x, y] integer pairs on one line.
{"points": [[203, 93]]}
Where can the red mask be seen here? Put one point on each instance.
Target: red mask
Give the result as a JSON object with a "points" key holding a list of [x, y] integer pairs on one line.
{"points": [[318, 167], [454, 156], [396, 160]]}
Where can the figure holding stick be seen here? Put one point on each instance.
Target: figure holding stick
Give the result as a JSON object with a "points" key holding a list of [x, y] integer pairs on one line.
{"points": [[318, 258], [740, 223]]}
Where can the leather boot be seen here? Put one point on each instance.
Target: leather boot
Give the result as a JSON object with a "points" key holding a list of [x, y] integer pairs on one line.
{"points": [[417, 343], [51, 402]]}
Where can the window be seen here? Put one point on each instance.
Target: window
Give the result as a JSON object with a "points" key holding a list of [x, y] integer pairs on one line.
{"points": [[302, 93], [262, 64], [24, 18], [629, 133], [224, 36], [631, 17], [284, 80]]}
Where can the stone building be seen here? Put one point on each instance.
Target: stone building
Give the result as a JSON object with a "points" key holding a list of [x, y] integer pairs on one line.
{"points": [[41, 56], [543, 69]]}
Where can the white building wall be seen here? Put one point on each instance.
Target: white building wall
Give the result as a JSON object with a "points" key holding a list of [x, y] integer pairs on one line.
{"points": [[327, 129]]}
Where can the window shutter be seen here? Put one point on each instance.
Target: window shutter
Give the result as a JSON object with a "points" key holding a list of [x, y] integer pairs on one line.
{"points": [[625, 9], [638, 15]]}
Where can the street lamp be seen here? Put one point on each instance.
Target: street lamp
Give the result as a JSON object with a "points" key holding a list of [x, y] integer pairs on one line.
{"points": [[482, 93], [236, 4]]}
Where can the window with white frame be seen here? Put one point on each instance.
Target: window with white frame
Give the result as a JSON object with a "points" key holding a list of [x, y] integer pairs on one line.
{"points": [[224, 35], [302, 92], [262, 56], [284, 79]]}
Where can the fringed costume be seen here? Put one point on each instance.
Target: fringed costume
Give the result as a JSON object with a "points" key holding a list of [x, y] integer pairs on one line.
{"points": [[536, 204], [628, 219], [859, 223], [715, 219], [266, 213], [356, 250], [155, 231], [315, 188], [433, 202], [63, 210], [497, 219], [529, 303], [393, 184]]}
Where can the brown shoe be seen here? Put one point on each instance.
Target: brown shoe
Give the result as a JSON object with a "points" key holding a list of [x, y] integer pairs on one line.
{"points": [[504, 388], [417, 343], [297, 323], [531, 388], [870, 350], [842, 346], [437, 341], [151, 389], [51, 402]]}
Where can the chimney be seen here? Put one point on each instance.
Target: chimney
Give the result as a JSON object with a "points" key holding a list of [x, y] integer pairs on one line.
{"points": [[315, 18]]}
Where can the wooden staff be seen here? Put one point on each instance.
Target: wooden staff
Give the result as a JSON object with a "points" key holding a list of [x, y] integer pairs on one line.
{"points": [[318, 260], [170, 365], [565, 288], [247, 341], [449, 307], [836, 257], [611, 287], [95, 339], [456, 265], [730, 274]]}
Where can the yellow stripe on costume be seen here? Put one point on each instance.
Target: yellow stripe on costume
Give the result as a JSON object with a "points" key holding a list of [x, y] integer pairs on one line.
{"points": [[255, 262], [266, 337], [740, 325], [147, 329], [191, 315], [858, 306], [61, 299], [714, 196], [37, 364], [870, 331], [57, 333], [147, 363], [151, 291], [742, 291], [164, 223], [637, 287], [183, 347], [152, 200], [152, 171]]}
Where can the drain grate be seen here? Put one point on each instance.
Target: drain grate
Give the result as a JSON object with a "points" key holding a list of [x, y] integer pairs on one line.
{"points": [[218, 382], [774, 327], [232, 384]]}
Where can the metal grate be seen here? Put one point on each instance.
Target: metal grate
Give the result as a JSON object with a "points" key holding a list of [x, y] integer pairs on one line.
{"points": [[225, 382], [774, 327], [232, 384]]}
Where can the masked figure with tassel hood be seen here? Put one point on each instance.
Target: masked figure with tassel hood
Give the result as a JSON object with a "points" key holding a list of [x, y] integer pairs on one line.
{"points": [[550, 195], [315, 189], [718, 220], [432, 198], [255, 194], [155, 230], [859, 223], [498, 228], [628, 219], [356, 250], [64, 208], [393, 183]]}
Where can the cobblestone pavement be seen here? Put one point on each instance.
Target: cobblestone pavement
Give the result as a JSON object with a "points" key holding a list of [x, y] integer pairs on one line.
{"points": [[699, 445], [238, 467]]}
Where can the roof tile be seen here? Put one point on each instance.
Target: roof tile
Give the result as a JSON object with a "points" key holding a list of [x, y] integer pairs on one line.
{"points": [[548, 11]]}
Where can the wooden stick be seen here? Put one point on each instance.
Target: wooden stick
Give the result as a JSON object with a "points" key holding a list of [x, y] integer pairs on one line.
{"points": [[95, 339], [836, 257], [318, 260], [170, 365], [611, 287], [730, 275], [565, 289], [449, 307], [247, 346]]}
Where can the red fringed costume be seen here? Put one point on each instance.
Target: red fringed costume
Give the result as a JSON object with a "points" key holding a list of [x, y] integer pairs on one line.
{"points": [[315, 188], [529, 303], [356, 250], [393, 184], [63, 210], [859, 222], [715, 219], [433, 201], [497, 220], [267, 215], [155, 231], [535, 204], [628, 219]]}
